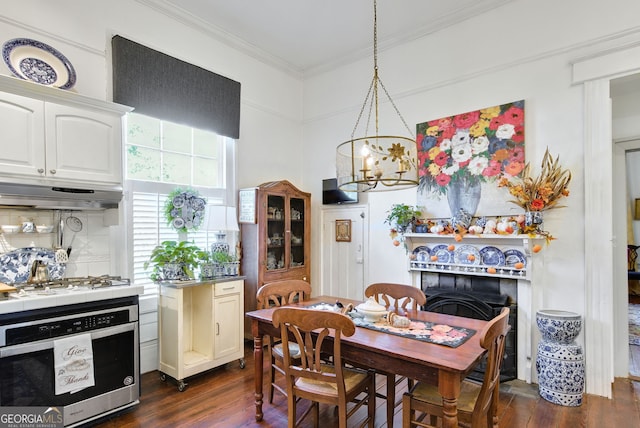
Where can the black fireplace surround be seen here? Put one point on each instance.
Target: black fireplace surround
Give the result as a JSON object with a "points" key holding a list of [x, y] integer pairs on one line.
{"points": [[475, 297]]}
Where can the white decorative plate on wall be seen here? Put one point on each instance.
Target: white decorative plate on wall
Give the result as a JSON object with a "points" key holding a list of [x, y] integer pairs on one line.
{"points": [[32, 60]]}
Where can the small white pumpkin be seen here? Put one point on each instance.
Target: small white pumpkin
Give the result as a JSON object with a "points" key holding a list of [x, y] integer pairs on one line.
{"points": [[436, 228], [490, 227], [475, 229]]}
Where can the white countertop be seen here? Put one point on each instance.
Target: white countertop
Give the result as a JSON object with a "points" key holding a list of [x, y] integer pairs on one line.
{"points": [[197, 282], [62, 296]]}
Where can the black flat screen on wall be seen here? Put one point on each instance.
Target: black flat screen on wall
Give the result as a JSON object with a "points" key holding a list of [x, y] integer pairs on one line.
{"points": [[332, 195]]}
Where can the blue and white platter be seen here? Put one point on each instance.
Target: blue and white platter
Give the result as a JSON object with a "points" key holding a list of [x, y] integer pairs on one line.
{"points": [[32, 60], [16, 265], [514, 256], [463, 252], [422, 253], [442, 253], [492, 256]]}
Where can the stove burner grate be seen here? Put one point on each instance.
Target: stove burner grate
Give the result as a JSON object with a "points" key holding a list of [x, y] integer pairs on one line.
{"points": [[86, 281]]}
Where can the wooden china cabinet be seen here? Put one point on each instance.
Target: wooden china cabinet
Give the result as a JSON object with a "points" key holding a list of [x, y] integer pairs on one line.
{"points": [[275, 220]]}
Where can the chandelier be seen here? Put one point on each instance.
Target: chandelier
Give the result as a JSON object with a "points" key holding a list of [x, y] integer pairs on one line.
{"points": [[376, 162]]}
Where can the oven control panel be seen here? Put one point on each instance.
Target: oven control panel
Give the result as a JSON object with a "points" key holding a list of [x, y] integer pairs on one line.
{"points": [[52, 328]]}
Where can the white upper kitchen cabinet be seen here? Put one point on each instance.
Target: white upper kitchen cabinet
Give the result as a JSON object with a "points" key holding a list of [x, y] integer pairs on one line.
{"points": [[52, 136]]}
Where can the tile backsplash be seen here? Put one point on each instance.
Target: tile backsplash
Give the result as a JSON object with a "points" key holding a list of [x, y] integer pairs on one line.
{"points": [[90, 252]]}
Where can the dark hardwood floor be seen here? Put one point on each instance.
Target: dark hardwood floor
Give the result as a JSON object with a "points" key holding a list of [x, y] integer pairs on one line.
{"points": [[224, 398]]}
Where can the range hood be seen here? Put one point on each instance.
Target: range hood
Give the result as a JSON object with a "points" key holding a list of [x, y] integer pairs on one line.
{"points": [[56, 197]]}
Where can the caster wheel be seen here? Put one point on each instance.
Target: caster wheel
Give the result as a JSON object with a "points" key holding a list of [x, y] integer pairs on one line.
{"points": [[163, 377], [242, 363], [182, 386]]}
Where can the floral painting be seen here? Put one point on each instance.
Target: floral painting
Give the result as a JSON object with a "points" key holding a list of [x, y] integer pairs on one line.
{"points": [[474, 146]]}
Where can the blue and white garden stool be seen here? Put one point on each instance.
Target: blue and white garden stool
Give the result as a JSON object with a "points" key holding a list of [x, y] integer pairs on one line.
{"points": [[560, 360]]}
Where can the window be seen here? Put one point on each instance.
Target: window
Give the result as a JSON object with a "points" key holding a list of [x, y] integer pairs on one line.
{"points": [[159, 157]]}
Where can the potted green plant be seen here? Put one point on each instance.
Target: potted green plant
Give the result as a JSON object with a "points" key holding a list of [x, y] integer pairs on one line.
{"points": [[226, 264], [174, 260], [402, 216], [207, 265]]}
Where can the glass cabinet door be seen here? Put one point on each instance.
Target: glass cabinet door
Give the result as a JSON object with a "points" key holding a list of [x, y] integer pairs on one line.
{"points": [[275, 232], [297, 235]]}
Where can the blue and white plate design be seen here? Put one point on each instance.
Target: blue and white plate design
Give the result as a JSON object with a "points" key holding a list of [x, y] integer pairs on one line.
{"points": [[32, 60], [16, 265], [492, 256], [442, 252], [422, 253], [463, 252], [514, 256]]}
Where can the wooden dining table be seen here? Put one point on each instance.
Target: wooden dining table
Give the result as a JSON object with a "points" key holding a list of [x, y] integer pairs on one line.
{"points": [[437, 364]]}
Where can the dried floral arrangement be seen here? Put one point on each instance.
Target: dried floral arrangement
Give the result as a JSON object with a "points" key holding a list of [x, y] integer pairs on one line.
{"points": [[542, 192]]}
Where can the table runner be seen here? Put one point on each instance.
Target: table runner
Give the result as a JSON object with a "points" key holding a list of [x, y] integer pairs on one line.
{"points": [[440, 334]]}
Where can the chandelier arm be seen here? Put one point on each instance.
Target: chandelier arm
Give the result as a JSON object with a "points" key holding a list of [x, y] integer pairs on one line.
{"points": [[366, 100], [371, 102], [394, 105]]}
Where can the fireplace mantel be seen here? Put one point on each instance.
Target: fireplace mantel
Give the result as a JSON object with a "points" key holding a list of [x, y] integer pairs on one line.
{"points": [[523, 243], [529, 296]]}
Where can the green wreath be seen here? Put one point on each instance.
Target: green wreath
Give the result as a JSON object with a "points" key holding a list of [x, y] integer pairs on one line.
{"points": [[184, 209]]}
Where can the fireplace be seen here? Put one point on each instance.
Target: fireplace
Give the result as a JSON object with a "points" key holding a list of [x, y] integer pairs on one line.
{"points": [[477, 297]]}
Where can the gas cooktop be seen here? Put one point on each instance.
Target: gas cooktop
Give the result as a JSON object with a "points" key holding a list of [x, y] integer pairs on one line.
{"points": [[66, 291], [77, 282], [74, 285]]}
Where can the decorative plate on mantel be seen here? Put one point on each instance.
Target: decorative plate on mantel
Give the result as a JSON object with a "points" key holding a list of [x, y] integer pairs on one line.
{"points": [[422, 253], [442, 253], [467, 255], [32, 60], [492, 256], [513, 256]]}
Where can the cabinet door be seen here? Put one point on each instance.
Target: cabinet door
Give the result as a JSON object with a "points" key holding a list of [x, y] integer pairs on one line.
{"points": [[228, 336], [276, 257], [83, 144], [298, 232], [22, 138]]}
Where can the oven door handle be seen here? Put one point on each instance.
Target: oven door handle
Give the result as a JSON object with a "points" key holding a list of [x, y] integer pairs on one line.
{"points": [[41, 345]]}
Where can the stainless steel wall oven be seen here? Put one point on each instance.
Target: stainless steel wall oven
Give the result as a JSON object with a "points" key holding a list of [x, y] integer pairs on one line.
{"points": [[27, 342]]}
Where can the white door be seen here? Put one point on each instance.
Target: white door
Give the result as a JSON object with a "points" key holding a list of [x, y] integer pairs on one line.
{"points": [[344, 262]]}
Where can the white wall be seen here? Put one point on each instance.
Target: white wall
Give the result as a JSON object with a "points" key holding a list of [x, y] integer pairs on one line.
{"points": [[523, 50]]}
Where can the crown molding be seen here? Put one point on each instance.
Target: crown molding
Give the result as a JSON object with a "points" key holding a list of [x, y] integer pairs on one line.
{"points": [[431, 26], [52, 36], [195, 22]]}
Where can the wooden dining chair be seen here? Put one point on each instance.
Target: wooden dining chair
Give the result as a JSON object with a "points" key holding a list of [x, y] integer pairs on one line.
{"points": [[478, 403], [310, 377], [280, 293], [399, 298]]}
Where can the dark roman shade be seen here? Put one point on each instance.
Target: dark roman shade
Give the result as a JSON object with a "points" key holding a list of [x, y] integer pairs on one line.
{"points": [[161, 86]]}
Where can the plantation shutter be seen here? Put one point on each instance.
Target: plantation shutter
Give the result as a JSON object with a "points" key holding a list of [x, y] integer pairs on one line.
{"points": [[151, 229]]}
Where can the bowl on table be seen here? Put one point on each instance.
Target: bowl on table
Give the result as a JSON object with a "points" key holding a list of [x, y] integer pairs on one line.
{"points": [[371, 310]]}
